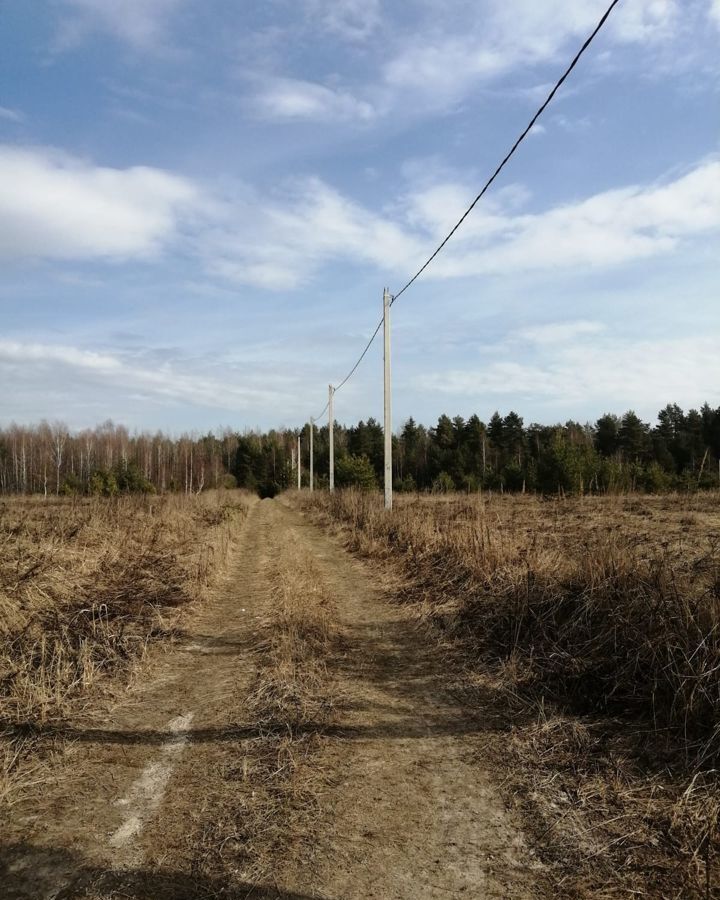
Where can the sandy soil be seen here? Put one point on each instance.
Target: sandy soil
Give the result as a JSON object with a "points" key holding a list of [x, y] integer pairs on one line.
{"points": [[408, 812]]}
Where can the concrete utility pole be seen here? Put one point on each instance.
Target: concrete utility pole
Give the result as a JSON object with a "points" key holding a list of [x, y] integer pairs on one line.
{"points": [[299, 468], [331, 435], [312, 461], [388, 401]]}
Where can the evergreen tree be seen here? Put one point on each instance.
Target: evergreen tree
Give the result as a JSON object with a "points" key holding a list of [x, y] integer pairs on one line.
{"points": [[607, 430], [633, 437]]}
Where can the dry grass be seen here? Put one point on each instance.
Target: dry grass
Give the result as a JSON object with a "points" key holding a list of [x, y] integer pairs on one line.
{"points": [[601, 617], [292, 704], [85, 586]]}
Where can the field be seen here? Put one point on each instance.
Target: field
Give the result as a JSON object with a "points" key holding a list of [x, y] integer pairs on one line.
{"points": [[597, 619], [214, 696], [85, 587]]}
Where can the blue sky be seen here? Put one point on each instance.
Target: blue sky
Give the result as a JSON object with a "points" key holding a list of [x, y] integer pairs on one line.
{"points": [[200, 204]]}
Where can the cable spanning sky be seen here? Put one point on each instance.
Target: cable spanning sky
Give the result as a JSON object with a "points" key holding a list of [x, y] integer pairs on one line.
{"points": [[485, 188], [200, 204]]}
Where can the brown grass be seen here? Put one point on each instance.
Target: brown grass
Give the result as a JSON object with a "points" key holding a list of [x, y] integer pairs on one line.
{"points": [[292, 704], [602, 617], [85, 586]]}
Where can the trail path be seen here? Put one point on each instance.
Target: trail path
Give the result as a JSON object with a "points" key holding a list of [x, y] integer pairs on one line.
{"points": [[410, 812]]}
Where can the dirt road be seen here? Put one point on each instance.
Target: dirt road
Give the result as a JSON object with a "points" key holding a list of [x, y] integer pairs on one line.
{"points": [[144, 797]]}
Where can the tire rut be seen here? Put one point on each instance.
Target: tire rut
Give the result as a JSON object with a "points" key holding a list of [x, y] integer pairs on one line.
{"points": [[104, 805], [406, 810], [414, 814]]}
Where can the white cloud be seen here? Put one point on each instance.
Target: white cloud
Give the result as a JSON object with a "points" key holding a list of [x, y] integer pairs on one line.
{"points": [[352, 20], [279, 242], [11, 115], [444, 68], [452, 51], [141, 23], [593, 372], [577, 125], [292, 99], [16, 352], [55, 206], [427, 57], [63, 367], [647, 20], [604, 230], [559, 332], [715, 11]]}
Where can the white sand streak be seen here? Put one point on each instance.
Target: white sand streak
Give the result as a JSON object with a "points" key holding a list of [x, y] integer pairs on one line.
{"points": [[146, 793]]}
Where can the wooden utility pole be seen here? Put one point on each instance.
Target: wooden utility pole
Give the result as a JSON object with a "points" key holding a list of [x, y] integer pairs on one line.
{"points": [[388, 401], [299, 465], [312, 461], [331, 435]]}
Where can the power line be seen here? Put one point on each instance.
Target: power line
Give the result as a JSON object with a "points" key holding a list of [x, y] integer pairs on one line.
{"points": [[318, 417], [486, 187], [361, 357], [514, 147], [352, 371]]}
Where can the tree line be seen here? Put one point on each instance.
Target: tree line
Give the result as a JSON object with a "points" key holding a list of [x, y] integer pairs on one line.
{"points": [[50, 459], [681, 451], [615, 454]]}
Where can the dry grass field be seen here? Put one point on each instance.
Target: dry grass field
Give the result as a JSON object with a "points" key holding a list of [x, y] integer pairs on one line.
{"points": [[85, 586], [597, 621], [498, 696], [297, 738]]}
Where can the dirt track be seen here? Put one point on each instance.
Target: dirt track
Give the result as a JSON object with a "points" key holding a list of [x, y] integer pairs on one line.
{"points": [[406, 812]]}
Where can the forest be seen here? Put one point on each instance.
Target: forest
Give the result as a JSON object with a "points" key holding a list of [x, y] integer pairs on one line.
{"points": [[618, 453]]}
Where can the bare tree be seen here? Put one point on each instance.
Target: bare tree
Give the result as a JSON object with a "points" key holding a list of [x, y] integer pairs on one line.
{"points": [[59, 435]]}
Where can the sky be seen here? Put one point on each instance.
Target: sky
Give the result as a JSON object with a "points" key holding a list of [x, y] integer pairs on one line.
{"points": [[201, 203]]}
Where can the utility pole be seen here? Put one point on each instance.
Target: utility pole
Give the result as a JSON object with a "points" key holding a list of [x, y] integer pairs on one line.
{"points": [[388, 401], [299, 467], [312, 461], [331, 435]]}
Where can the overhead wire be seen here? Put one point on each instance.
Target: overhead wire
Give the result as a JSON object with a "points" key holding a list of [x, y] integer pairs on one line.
{"points": [[486, 187], [361, 357], [514, 147], [352, 371], [320, 415]]}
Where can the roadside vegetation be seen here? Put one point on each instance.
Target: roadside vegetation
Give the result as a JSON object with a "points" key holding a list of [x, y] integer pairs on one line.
{"points": [[597, 621], [277, 783], [85, 586]]}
